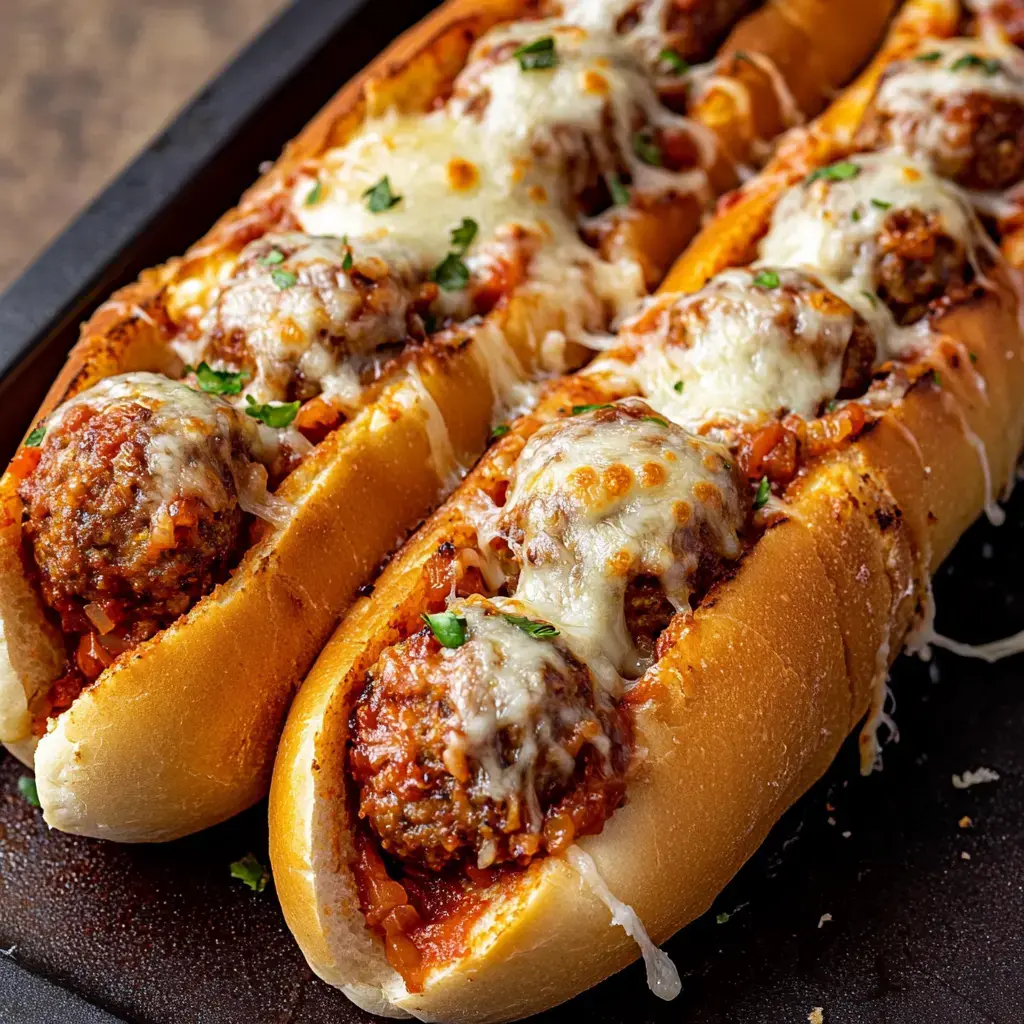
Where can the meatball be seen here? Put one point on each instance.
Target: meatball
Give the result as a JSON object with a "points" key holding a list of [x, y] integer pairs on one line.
{"points": [[303, 315], [132, 513], [889, 235], [918, 263], [497, 750], [608, 495], [751, 345], [959, 108]]}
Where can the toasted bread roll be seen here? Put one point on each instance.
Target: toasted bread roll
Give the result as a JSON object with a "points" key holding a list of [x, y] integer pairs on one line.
{"points": [[509, 178], [782, 449]]}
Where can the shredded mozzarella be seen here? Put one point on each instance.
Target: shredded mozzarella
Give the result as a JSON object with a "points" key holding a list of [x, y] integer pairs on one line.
{"points": [[662, 976]]}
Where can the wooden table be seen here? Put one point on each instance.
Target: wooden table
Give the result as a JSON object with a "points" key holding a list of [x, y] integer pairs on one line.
{"points": [[83, 85]]}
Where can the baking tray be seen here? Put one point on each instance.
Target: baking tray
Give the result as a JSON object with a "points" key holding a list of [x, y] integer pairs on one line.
{"points": [[868, 899]]}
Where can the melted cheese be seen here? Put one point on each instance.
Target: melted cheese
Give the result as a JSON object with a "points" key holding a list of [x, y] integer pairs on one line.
{"points": [[596, 500], [735, 351], [318, 325], [190, 442], [662, 976], [519, 134], [646, 37], [832, 227], [499, 685]]}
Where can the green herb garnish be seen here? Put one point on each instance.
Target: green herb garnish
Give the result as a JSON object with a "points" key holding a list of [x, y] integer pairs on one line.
{"points": [[272, 258], [578, 410], [678, 387], [871, 297], [764, 492], [463, 235], [379, 197], [28, 791], [675, 62], [928, 58], [881, 204], [346, 263], [973, 356], [35, 439], [538, 55], [315, 194], [536, 628], [284, 279], [655, 419], [832, 405], [722, 918], [936, 379], [989, 65], [618, 191], [277, 416], [451, 273], [843, 170], [647, 149], [767, 279], [251, 871], [218, 382], [500, 431], [448, 628]]}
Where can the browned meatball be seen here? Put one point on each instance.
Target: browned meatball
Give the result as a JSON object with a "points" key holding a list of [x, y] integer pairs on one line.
{"points": [[918, 263], [976, 140], [132, 513], [494, 751], [648, 613]]}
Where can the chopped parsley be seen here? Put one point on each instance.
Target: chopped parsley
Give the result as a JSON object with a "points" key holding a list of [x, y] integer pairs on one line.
{"points": [[842, 170], [722, 918], [315, 194], [272, 258], [989, 65], [462, 236], [578, 410], [871, 297], [676, 64], [277, 415], [881, 204], [538, 55], [28, 791], [647, 149], [678, 387], [855, 214], [250, 871], [500, 431], [284, 279], [346, 263], [832, 405], [973, 355], [764, 492], [928, 58], [451, 273], [618, 191], [767, 279], [655, 419], [448, 628], [218, 382], [35, 439], [936, 379], [379, 197], [537, 628]]}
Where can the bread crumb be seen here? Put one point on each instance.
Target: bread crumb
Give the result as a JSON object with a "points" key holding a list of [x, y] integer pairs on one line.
{"points": [[965, 822], [824, 919], [816, 1016], [846, 835], [964, 855], [832, 821], [975, 778]]}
